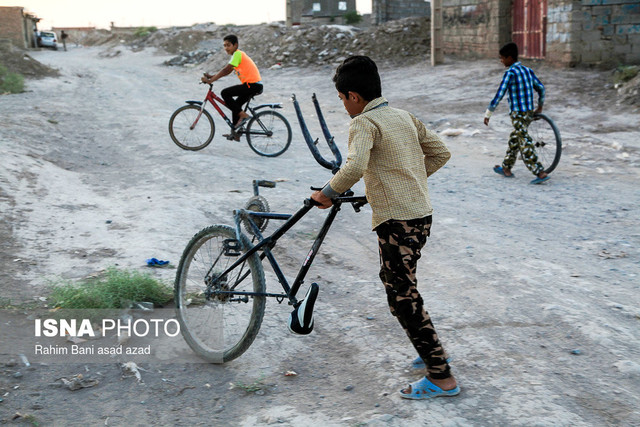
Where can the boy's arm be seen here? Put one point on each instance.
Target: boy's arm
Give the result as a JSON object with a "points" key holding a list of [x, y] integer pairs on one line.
{"points": [[436, 154], [538, 87], [504, 85], [226, 70], [362, 133]]}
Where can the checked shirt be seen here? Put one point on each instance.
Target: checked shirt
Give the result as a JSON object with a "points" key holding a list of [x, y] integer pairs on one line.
{"points": [[395, 153], [520, 82]]}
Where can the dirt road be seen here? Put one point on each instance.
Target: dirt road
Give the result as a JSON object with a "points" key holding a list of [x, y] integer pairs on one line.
{"points": [[534, 289]]}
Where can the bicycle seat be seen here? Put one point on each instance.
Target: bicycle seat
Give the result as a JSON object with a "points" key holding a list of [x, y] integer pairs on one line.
{"points": [[258, 93]]}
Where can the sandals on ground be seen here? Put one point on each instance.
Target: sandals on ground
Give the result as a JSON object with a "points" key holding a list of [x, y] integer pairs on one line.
{"points": [[425, 389]]}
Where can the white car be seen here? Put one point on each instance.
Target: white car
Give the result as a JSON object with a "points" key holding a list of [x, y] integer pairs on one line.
{"points": [[48, 39]]}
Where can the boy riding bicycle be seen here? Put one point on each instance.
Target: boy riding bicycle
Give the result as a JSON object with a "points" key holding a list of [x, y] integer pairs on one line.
{"points": [[520, 82], [236, 96], [394, 153]]}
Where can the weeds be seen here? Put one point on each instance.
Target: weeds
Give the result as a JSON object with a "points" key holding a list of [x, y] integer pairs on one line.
{"points": [[10, 82], [115, 290], [624, 73], [144, 31]]}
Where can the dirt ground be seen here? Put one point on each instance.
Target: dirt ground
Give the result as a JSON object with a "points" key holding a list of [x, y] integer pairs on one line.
{"points": [[533, 289]]}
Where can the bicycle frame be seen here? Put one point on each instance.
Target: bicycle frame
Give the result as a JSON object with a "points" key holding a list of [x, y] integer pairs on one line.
{"points": [[266, 243]]}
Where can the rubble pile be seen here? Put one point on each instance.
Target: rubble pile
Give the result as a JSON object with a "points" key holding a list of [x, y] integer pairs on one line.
{"points": [[396, 42]]}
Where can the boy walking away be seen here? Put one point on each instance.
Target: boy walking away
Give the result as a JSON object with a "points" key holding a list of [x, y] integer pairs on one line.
{"points": [[520, 82], [236, 96], [394, 153]]}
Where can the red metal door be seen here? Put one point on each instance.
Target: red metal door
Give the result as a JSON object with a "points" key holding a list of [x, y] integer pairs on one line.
{"points": [[529, 27]]}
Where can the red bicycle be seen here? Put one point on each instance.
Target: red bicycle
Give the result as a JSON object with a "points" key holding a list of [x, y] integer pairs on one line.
{"points": [[268, 132]]}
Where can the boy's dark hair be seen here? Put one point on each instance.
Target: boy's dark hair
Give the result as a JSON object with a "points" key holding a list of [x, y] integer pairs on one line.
{"points": [[358, 74], [510, 49], [231, 38]]}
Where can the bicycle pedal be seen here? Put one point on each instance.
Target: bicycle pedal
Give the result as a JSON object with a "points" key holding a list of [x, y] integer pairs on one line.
{"points": [[231, 247], [301, 318]]}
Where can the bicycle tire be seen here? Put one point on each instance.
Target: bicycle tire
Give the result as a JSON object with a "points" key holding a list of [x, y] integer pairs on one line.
{"points": [[219, 328], [181, 132], [268, 133], [547, 141]]}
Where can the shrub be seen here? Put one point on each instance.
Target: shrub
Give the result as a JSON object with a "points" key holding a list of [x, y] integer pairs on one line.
{"points": [[145, 31], [10, 82], [352, 17]]}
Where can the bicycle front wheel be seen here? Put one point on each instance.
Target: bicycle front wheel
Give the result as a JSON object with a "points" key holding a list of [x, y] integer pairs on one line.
{"points": [[217, 320], [269, 133], [190, 132], [547, 141]]}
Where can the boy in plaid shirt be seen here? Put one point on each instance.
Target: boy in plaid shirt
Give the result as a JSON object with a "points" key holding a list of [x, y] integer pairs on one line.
{"points": [[520, 82]]}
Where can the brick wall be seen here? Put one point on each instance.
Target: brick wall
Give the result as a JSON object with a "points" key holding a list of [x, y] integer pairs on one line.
{"points": [[388, 10], [475, 27], [12, 26]]}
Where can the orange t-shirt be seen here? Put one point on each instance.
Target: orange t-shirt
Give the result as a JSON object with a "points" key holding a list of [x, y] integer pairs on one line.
{"points": [[244, 67]]}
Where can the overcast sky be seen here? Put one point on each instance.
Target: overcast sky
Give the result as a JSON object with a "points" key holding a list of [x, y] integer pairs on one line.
{"points": [[135, 13]]}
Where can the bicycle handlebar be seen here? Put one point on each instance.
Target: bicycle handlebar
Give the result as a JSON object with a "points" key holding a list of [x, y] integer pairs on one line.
{"points": [[333, 165]]}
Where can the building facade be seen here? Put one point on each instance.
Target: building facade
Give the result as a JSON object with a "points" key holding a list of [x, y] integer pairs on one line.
{"points": [[18, 27], [566, 32]]}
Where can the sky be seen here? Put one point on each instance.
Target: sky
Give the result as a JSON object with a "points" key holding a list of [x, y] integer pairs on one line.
{"points": [[139, 13]]}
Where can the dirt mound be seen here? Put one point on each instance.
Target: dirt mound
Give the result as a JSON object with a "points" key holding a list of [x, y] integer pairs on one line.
{"points": [[17, 61], [396, 42]]}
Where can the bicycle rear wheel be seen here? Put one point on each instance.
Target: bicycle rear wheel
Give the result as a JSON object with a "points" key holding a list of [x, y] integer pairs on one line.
{"points": [[547, 141], [218, 327], [268, 133], [186, 133]]}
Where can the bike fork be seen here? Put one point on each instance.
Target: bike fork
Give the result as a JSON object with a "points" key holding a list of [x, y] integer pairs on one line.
{"points": [[195, 122]]}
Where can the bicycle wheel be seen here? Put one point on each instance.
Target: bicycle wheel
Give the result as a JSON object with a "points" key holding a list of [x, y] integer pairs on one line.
{"points": [[268, 133], [218, 327], [546, 139], [185, 134]]}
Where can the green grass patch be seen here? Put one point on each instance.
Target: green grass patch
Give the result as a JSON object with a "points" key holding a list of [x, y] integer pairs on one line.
{"points": [[10, 82], [116, 289], [624, 73], [144, 31]]}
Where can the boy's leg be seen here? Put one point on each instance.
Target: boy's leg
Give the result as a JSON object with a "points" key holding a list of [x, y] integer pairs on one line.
{"points": [[514, 145], [242, 94], [525, 145], [400, 243]]}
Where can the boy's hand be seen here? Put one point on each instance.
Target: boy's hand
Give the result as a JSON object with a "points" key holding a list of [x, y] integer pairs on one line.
{"points": [[206, 78], [323, 200], [486, 121], [538, 110]]}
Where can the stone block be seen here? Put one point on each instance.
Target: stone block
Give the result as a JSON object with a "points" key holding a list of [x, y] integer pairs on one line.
{"points": [[590, 2], [628, 29], [590, 36], [590, 57], [619, 1]]}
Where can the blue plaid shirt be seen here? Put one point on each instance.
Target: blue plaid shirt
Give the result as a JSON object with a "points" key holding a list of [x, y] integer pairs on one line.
{"points": [[521, 82]]}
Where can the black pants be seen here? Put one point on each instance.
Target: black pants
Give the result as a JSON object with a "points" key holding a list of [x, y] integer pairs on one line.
{"points": [[242, 94]]}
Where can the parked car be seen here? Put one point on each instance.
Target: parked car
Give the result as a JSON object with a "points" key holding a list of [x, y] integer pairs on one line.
{"points": [[48, 39]]}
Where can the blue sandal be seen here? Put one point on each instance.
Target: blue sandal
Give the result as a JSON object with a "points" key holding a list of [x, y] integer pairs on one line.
{"points": [[540, 180], [498, 169], [425, 389]]}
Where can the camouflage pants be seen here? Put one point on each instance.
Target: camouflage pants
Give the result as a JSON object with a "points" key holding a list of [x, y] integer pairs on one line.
{"points": [[399, 244], [520, 141]]}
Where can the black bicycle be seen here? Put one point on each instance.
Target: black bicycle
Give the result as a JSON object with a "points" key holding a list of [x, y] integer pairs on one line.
{"points": [[546, 138], [220, 290]]}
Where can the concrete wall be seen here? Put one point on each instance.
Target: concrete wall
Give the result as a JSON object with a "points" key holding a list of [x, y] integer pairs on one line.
{"points": [[388, 10], [476, 27], [594, 32]]}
